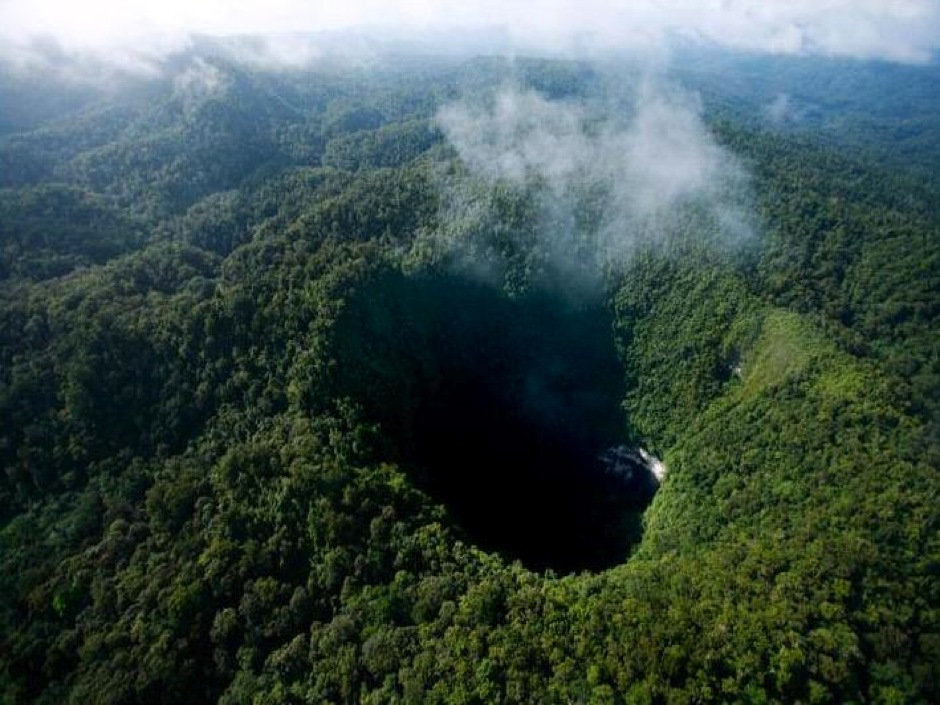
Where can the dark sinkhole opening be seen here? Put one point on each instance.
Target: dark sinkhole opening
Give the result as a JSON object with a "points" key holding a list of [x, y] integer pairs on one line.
{"points": [[506, 410]]}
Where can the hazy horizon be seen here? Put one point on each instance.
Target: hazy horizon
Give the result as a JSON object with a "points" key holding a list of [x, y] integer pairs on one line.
{"points": [[136, 33]]}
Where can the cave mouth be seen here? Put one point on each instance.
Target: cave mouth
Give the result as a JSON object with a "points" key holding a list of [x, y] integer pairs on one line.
{"points": [[507, 410]]}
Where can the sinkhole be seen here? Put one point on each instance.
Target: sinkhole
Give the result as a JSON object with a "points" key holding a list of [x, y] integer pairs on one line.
{"points": [[504, 409]]}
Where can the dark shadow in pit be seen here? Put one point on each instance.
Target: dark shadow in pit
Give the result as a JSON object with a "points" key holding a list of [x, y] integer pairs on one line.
{"points": [[501, 408]]}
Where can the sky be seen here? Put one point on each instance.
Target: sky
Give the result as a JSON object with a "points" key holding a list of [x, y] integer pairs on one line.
{"points": [[895, 30]]}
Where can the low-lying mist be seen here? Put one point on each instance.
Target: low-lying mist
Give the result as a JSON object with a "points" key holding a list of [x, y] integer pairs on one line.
{"points": [[602, 177]]}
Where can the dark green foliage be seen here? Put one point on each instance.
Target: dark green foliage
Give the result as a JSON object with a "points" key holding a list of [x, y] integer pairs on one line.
{"points": [[389, 146], [49, 230], [887, 109], [252, 403]]}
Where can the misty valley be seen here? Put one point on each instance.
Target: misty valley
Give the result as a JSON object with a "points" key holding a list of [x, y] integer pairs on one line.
{"points": [[356, 379]]}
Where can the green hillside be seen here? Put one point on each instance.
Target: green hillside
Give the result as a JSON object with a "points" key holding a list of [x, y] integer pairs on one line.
{"points": [[297, 408]]}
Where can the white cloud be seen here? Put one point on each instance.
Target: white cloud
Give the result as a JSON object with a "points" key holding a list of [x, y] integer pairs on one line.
{"points": [[902, 30], [654, 173], [197, 82]]}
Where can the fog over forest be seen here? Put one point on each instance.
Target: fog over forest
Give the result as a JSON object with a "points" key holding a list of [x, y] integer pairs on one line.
{"points": [[450, 352]]}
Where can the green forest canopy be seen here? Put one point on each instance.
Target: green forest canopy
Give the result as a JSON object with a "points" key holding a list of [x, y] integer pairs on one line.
{"points": [[226, 329]]}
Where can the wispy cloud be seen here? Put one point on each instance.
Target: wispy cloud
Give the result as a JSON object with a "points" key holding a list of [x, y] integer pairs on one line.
{"points": [[638, 178], [899, 30]]}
